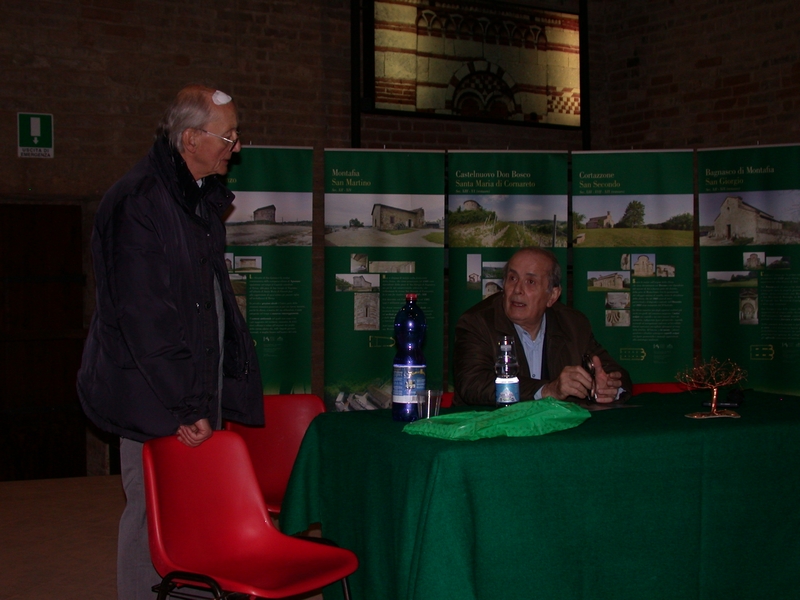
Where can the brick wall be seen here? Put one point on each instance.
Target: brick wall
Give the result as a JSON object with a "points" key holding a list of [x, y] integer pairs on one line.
{"points": [[684, 74], [664, 74], [107, 69]]}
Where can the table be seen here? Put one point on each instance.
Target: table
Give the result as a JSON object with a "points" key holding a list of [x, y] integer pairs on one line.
{"points": [[638, 503]]}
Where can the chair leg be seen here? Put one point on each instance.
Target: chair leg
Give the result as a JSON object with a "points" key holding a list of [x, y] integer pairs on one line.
{"points": [[346, 589], [168, 588], [163, 590]]}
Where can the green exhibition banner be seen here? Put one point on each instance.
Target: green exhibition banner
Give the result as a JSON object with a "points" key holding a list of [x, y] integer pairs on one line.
{"points": [[269, 259], [384, 237], [749, 213], [633, 266], [499, 202]]}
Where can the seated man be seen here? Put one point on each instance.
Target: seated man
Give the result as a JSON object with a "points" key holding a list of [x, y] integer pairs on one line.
{"points": [[550, 340]]}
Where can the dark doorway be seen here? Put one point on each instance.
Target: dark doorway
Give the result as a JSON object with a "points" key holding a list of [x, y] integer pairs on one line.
{"points": [[41, 337]]}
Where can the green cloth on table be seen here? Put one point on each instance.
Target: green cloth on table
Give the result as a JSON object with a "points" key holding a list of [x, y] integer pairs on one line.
{"points": [[518, 420], [634, 504]]}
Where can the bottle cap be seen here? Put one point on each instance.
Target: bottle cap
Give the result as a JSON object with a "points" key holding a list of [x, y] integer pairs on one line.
{"points": [[411, 296]]}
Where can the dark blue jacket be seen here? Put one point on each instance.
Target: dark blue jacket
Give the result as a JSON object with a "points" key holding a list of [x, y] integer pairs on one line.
{"points": [[151, 358]]}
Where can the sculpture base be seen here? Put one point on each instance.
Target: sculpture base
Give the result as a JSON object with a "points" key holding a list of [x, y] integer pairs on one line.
{"points": [[714, 414]]}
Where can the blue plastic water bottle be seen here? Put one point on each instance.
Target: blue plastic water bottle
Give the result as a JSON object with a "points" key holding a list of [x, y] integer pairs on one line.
{"points": [[409, 363]]}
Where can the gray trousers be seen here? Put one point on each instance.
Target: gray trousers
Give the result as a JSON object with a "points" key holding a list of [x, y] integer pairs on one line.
{"points": [[135, 572]]}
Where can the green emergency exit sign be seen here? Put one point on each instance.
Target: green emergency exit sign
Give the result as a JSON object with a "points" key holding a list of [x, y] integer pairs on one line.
{"points": [[35, 135]]}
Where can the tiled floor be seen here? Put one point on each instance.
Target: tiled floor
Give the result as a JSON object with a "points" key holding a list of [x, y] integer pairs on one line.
{"points": [[58, 538]]}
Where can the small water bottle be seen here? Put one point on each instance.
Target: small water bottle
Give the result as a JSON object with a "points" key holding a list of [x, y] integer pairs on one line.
{"points": [[408, 376], [506, 369]]}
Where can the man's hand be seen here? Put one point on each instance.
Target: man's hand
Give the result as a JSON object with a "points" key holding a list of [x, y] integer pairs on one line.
{"points": [[194, 435], [572, 381], [575, 381], [607, 384]]}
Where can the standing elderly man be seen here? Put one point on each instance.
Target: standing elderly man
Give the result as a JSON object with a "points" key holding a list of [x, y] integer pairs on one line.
{"points": [[168, 352], [551, 340]]}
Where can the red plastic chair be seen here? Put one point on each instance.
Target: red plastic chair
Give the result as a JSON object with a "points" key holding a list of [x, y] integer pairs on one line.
{"points": [[273, 448], [661, 388], [209, 527], [447, 400]]}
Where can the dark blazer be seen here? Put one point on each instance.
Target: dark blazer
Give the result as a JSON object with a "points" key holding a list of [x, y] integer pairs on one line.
{"points": [[151, 358], [567, 338]]}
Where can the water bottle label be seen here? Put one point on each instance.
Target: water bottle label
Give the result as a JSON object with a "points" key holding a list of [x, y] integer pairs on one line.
{"points": [[406, 382], [506, 390]]}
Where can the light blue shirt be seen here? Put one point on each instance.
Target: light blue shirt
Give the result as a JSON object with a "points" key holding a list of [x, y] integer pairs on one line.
{"points": [[533, 350]]}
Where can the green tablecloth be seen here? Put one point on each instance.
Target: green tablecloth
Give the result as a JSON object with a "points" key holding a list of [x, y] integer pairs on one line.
{"points": [[638, 503]]}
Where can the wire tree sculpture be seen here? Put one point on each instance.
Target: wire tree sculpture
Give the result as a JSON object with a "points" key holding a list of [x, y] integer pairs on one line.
{"points": [[712, 375]]}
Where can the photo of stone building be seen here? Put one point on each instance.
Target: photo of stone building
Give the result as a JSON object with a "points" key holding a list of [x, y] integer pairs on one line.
{"points": [[644, 266], [392, 266], [397, 220], [612, 281], [265, 214], [748, 307], [605, 222], [754, 260], [388, 218], [471, 205], [361, 283], [269, 218], [737, 219], [249, 264], [351, 282], [366, 312]]}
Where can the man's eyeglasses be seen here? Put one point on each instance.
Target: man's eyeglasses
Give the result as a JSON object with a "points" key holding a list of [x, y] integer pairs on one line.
{"points": [[230, 141]]}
